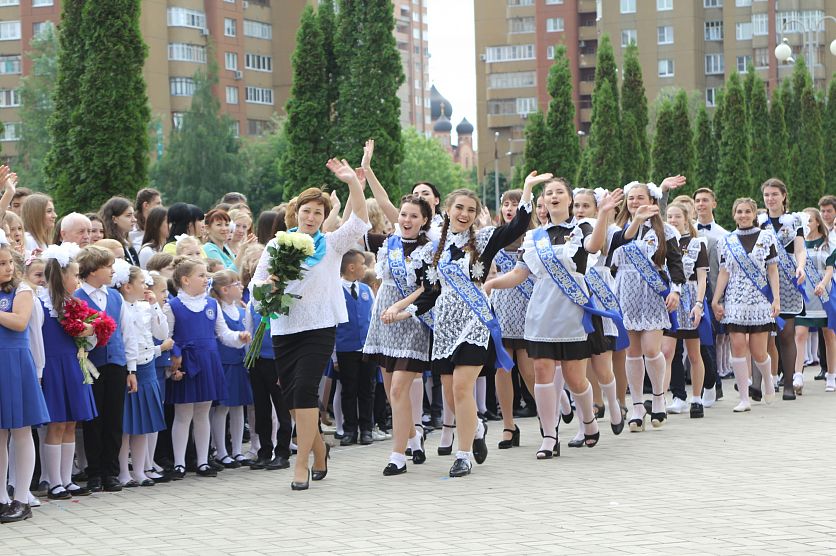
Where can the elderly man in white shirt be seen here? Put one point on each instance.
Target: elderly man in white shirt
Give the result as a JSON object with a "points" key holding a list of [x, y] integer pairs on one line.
{"points": [[76, 228]]}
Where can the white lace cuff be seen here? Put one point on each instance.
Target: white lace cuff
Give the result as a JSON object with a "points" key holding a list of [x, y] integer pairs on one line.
{"points": [[411, 309], [676, 288]]}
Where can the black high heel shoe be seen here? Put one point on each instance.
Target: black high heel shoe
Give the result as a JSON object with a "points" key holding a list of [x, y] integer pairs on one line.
{"points": [[547, 454], [419, 456], [447, 450], [617, 429], [590, 440], [301, 485], [316, 474], [567, 418], [637, 425], [514, 440], [599, 410], [658, 419]]}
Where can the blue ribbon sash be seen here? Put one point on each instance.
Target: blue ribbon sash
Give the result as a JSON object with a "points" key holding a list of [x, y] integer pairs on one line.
{"points": [[564, 280], [506, 264], [601, 290], [751, 271], [704, 327], [787, 267], [478, 303], [397, 266], [828, 301], [647, 270]]}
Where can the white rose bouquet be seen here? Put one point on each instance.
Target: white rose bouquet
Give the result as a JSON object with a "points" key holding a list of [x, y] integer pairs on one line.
{"points": [[286, 258]]}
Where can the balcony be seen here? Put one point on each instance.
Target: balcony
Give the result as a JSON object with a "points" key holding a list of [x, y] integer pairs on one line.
{"points": [[586, 6], [504, 120], [586, 87], [586, 114], [588, 33]]}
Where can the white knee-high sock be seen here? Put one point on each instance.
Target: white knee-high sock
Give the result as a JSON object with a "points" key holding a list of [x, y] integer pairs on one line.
{"points": [[80, 454], [634, 367], [481, 394], [236, 429], [24, 462], [52, 458], [4, 465], [41, 443], [338, 408], [656, 372], [139, 448], [124, 467], [765, 367], [416, 400], [67, 454], [255, 443], [612, 402], [449, 422], [563, 406], [583, 403], [150, 448], [741, 375], [218, 422], [183, 413], [201, 429], [546, 397]]}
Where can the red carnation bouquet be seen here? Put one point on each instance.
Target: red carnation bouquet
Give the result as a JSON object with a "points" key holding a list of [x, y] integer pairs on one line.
{"points": [[77, 315]]}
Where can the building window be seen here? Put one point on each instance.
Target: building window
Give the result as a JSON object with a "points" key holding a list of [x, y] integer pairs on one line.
{"points": [[742, 3], [258, 127], [664, 5], [628, 36], [235, 126], [177, 120], [628, 6], [711, 97], [550, 52], [761, 57], [760, 24], [257, 29], [10, 65], [510, 52], [232, 95], [40, 3], [182, 52], [181, 86], [39, 26], [9, 30], [9, 98], [514, 3], [11, 131], [743, 31], [712, 3], [508, 106], [9, 2], [714, 64], [553, 2], [526, 105], [512, 80], [258, 62], [666, 68], [515, 25], [713, 30], [231, 60], [230, 27], [743, 63], [795, 21], [182, 17], [258, 95], [554, 24], [664, 34]]}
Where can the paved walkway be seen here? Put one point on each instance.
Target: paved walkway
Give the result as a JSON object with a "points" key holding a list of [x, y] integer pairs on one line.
{"points": [[754, 483]]}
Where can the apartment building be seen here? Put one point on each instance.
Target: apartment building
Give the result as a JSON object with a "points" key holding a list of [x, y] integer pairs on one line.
{"points": [[252, 41], [515, 41]]}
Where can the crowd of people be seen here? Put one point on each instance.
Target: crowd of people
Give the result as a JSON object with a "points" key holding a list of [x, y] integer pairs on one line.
{"points": [[410, 316]]}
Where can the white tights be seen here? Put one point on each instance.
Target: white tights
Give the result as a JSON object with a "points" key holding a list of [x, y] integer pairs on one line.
{"points": [[184, 415], [24, 462]]}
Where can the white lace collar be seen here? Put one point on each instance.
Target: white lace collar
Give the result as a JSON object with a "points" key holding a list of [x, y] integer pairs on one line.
{"points": [[43, 295], [194, 303], [747, 231], [569, 223], [230, 310], [459, 239]]}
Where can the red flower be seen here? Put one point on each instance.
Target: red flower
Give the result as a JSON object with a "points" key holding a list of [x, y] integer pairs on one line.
{"points": [[104, 326], [73, 327]]}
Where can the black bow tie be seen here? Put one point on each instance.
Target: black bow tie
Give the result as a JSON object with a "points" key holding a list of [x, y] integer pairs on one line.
{"points": [[704, 226]]}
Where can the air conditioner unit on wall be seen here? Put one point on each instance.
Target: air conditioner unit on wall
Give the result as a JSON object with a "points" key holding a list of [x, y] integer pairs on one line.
{"points": [[239, 75]]}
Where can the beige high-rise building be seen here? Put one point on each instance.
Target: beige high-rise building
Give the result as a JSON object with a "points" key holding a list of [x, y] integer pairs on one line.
{"points": [[689, 44], [253, 43]]}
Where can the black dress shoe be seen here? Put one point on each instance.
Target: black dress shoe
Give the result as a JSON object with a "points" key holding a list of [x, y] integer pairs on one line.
{"points": [[393, 469], [348, 440], [447, 450], [491, 416], [511, 442], [242, 460], [419, 456], [789, 394], [160, 477], [576, 443], [228, 463], [206, 470], [111, 484], [178, 473], [17, 511], [130, 484], [4, 506], [76, 490], [260, 463], [278, 462], [697, 411], [214, 464], [80, 477], [718, 389], [821, 375], [366, 438], [527, 411], [319, 474], [147, 483], [480, 447], [600, 410], [461, 467], [58, 492], [300, 485], [94, 484], [617, 429]]}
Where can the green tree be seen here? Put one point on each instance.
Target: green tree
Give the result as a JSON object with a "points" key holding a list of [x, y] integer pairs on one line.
{"points": [[368, 105], [425, 159], [261, 156], [605, 145], [807, 185], [634, 102], [308, 114], [705, 152], [489, 187], [109, 133], [582, 179], [734, 178], [665, 159], [682, 139], [536, 144], [718, 119], [202, 161], [778, 137], [60, 165], [760, 136], [749, 81], [561, 153], [631, 143], [605, 66], [327, 20], [792, 101], [829, 134], [36, 92]]}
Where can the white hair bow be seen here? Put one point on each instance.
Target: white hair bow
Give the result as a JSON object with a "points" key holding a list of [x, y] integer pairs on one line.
{"points": [[599, 193], [654, 190], [63, 253], [121, 273], [181, 237], [3, 239], [147, 278]]}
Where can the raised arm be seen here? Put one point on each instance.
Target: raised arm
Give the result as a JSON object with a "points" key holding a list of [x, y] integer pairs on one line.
{"points": [[333, 221], [380, 195], [346, 174], [596, 240], [9, 181]]}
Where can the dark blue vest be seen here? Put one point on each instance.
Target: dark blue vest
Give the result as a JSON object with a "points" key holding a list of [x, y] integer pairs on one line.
{"points": [[114, 352], [351, 335], [232, 356], [267, 345]]}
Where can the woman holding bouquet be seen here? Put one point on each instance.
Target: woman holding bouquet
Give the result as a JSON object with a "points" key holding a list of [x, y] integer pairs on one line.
{"points": [[304, 338]]}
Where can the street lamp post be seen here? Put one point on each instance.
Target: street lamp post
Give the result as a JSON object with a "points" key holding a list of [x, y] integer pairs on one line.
{"points": [[783, 52], [496, 171]]}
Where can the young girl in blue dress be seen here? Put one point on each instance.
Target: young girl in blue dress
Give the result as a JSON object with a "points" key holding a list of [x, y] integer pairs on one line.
{"points": [[197, 370], [68, 398], [22, 402], [227, 290], [162, 362], [143, 413]]}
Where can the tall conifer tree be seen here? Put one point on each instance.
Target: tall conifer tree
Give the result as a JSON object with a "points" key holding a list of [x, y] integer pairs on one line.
{"points": [[734, 177]]}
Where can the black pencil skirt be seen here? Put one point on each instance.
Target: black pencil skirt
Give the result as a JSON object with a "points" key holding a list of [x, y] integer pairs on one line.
{"points": [[301, 359]]}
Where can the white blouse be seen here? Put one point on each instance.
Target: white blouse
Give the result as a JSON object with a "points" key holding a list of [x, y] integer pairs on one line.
{"points": [[146, 322], [322, 304], [196, 304]]}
